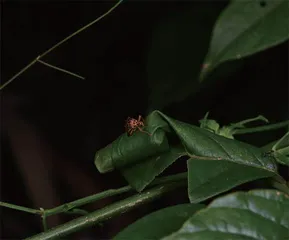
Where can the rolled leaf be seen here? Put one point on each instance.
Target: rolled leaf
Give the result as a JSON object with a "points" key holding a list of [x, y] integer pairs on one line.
{"points": [[216, 163]]}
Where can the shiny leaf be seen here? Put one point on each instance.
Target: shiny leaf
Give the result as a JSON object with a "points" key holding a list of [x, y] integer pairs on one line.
{"points": [[160, 223], [245, 28], [216, 163], [258, 214]]}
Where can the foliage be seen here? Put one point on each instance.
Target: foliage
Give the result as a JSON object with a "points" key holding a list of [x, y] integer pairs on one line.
{"points": [[214, 161], [170, 218], [258, 214]]}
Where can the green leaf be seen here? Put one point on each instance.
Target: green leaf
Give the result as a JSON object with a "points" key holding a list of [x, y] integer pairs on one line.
{"points": [[215, 158], [144, 172], [128, 150], [245, 28], [217, 163], [209, 178], [160, 223], [258, 214], [179, 44], [140, 157]]}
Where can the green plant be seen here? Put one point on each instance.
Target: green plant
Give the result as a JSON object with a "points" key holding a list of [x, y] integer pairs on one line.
{"points": [[216, 161]]}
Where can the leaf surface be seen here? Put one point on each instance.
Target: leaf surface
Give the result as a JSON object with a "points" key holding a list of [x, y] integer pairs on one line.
{"points": [[216, 164], [159, 224], [245, 28], [258, 214]]}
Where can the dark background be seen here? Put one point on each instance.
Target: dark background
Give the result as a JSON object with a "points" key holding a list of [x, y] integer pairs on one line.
{"points": [[52, 124]]}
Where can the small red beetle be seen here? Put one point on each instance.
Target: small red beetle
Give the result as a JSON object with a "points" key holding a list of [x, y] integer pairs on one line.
{"points": [[133, 124]]}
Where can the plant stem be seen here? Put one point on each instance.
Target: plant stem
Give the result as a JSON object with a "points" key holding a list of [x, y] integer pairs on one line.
{"points": [[98, 196], [58, 44], [20, 208], [83, 28], [43, 216], [109, 193], [108, 212], [65, 208], [262, 128], [77, 211], [282, 139], [80, 202], [258, 118], [18, 74], [60, 69]]}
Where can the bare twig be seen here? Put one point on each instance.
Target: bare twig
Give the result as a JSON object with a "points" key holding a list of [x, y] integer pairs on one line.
{"points": [[37, 59]]}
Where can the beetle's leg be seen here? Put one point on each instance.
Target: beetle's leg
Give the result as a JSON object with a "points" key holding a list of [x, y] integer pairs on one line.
{"points": [[129, 132], [141, 130], [142, 119]]}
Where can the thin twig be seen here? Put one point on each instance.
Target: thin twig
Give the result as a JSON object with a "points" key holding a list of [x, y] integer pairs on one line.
{"points": [[95, 197], [67, 207], [43, 216], [60, 69], [58, 44], [18, 74], [262, 128], [258, 118], [108, 212], [108, 193], [20, 208], [282, 139], [83, 201]]}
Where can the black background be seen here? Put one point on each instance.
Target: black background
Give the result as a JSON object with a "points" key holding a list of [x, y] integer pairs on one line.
{"points": [[65, 120]]}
